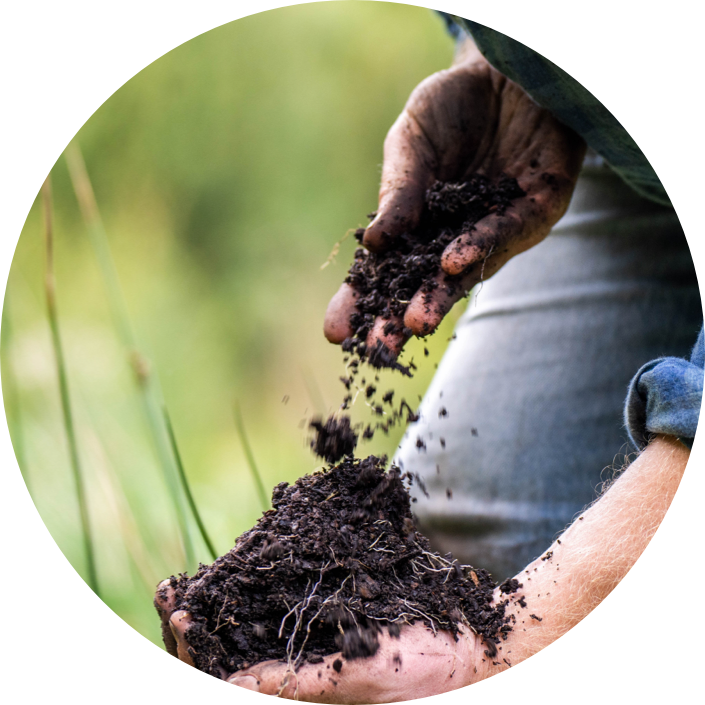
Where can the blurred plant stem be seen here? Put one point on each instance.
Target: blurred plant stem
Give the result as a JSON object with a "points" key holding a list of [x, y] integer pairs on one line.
{"points": [[240, 426], [11, 396], [187, 488], [50, 288], [145, 379]]}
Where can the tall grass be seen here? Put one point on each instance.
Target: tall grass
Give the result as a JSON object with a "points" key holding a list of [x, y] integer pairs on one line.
{"points": [[249, 455], [146, 381], [187, 488], [50, 290]]}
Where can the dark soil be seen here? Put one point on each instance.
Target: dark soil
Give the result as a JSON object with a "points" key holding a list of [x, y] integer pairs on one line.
{"points": [[333, 438], [387, 281], [338, 559], [335, 562]]}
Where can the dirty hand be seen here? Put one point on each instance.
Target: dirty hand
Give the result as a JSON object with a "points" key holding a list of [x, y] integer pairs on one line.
{"points": [[416, 664], [465, 120]]}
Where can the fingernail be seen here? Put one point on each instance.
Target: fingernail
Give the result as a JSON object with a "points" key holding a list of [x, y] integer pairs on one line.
{"points": [[248, 682]]}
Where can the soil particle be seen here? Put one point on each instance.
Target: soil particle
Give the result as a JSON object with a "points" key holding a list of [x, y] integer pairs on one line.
{"points": [[510, 586], [349, 564]]}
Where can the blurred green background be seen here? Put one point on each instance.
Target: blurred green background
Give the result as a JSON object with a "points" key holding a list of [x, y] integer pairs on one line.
{"points": [[225, 173]]}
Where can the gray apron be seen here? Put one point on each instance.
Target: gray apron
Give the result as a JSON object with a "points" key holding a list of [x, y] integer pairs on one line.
{"points": [[528, 398]]}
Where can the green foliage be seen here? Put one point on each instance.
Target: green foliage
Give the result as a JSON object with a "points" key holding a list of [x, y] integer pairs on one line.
{"points": [[225, 173]]}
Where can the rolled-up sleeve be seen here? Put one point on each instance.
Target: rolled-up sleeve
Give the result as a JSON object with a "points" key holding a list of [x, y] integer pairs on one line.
{"points": [[665, 397]]}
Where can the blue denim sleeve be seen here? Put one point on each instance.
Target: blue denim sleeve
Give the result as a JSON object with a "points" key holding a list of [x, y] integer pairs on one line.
{"points": [[665, 397]]}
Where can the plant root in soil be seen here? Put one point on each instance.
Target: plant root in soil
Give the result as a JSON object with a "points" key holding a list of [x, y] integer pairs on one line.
{"points": [[338, 558], [336, 561]]}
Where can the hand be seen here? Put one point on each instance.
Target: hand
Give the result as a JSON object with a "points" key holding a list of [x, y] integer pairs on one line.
{"points": [[416, 664], [465, 120]]}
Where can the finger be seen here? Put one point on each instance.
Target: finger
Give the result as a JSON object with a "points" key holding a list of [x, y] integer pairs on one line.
{"points": [[179, 622], [428, 308], [493, 233], [389, 333], [328, 681], [526, 222], [336, 326], [408, 170], [164, 602], [247, 681], [165, 598]]}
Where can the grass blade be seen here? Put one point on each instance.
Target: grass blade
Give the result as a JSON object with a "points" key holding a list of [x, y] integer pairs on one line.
{"points": [[146, 381], [11, 395], [186, 486], [240, 426], [50, 287]]}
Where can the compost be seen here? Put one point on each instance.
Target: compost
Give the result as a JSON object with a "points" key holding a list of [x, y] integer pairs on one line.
{"points": [[386, 281], [336, 561]]}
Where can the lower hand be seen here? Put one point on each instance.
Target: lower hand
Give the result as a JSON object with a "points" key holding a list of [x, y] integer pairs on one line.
{"points": [[416, 664]]}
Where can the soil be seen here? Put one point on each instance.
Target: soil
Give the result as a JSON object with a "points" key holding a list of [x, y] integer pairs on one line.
{"points": [[387, 281], [338, 558], [333, 564]]}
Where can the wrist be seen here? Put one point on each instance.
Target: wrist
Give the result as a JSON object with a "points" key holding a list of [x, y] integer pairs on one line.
{"points": [[467, 53]]}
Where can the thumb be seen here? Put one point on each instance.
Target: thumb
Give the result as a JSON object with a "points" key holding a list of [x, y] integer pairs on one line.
{"points": [[179, 622], [408, 170]]}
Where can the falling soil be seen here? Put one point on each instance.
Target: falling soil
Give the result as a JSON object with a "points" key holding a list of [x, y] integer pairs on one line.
{"points": [[333, 438], [336, 561], [386, 282]]}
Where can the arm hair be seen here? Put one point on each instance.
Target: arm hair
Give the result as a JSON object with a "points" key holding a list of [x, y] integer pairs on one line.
{"points": [[593, 555]]}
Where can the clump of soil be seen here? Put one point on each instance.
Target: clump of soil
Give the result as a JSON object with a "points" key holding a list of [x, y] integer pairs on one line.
{"points": [[335, 562], [333, 438], [337, 437], [387, 281]]}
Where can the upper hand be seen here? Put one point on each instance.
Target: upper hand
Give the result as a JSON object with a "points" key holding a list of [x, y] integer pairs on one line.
{"points": [[465, 120]]}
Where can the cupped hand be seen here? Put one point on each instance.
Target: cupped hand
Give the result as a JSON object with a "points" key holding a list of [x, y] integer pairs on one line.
{"points": [[465, 120], [414, 664]]}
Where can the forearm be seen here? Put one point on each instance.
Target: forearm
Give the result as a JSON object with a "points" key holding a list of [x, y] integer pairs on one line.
{"points": [[585, 564]]}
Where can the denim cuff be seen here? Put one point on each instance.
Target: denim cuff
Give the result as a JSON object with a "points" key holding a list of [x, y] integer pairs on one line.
{"points": [[665, 397]]}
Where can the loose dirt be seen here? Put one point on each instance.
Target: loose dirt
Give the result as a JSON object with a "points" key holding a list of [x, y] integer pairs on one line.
{"points": [[336, 561], [387, 281]]}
